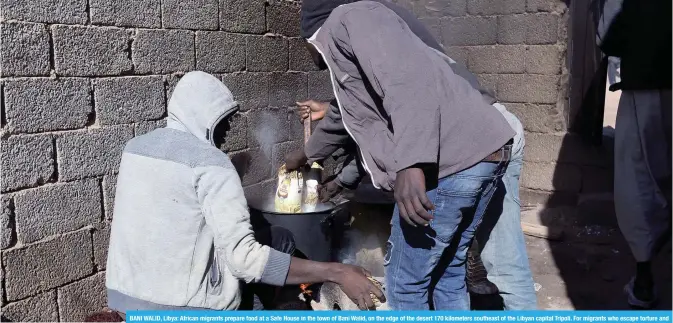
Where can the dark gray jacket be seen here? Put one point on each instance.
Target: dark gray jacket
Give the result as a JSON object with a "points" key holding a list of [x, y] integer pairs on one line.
{"points": [[399, 99]]}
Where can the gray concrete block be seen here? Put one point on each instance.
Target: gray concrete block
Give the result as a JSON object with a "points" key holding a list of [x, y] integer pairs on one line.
{"points": [[531, 29], [544, 59], [439, 8], [546, 6], [237, 136], [49, 11], [253, 165], [300, 58], [101, 243], [495, 7], [469, 31], [459, 54], [512, 29], [283, 149], [528, 88], [170, 81], [551, 177], [496, 59], [219, 52], [127, 13], [266, 54], [42, 104], [297, 127], [194, 14], [243, 16], [39, 308], [91, 153], [144, 127], [55, 209], [489, 81], [27, 161], [544, 118], [265, 188], [163, 51], [285, 89], [109, 190], [267, 127], [25, 49], [320, 86], [81, 298], [129, 99], [7, 223], [56, 262], [283, 18], [90, 51], [567, 148], [251, 90]]}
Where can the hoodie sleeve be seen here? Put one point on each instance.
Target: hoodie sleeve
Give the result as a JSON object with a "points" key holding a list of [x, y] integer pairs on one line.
{"points": [[392, 59], [328, 136], [225, 208]]}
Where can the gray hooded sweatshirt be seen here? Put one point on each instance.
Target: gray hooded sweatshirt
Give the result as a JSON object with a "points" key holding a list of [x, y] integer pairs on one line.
{"points": [[181, 235]]}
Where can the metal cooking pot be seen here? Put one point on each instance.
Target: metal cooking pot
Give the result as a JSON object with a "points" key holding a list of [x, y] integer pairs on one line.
{"points": [[314, 232]]}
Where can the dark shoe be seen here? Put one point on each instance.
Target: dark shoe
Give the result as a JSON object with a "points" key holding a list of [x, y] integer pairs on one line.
{"points": [[477, 277], [640, 297]]}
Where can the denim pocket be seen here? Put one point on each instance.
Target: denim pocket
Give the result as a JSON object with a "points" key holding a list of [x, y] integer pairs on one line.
{"points": [[389, 252], [464, 186]]}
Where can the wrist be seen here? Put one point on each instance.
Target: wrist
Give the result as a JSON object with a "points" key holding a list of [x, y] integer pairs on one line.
{"points": [[334, 272]]}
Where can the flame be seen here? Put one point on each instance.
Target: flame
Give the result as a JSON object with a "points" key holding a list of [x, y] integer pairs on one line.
{"points": [[305, 290]]}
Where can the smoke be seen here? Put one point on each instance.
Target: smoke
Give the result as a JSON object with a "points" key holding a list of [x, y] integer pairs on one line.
{"points": [[268, 129]]}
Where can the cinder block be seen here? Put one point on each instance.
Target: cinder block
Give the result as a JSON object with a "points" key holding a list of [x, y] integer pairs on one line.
{"points": [[297, 127], [101, 243], [129, 99], [533, 198], [39, 308], [163, 51], [144, 127], [243, 16], [460, 54], [90, 51], [543, 60], [533, 29], [91, 153], [287, 88], [300, 58], [81, 298], [237, 137], [546, 6], [267, 127], [551, 177], [543, 118], [170, 81], [27, 161], [528, 88], [262, 189], [497, 59], [439, 8], [283, 149], [7, 222], [253, 165], [469, 31], [42, 104], [194, 14], [109, 190], [283, 18], [567, 148], [495, 7], [489, 81], [56, 262], [219, 52], [54, 209], [127, 13], [25, 49], [251, 90], [49, 11], [266, 54], [320, 86]]}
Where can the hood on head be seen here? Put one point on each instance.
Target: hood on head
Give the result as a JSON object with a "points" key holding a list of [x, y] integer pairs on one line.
{"points": [[199, 102], [315, 12]]}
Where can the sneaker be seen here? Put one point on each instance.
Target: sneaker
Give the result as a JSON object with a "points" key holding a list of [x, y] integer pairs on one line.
{"points": [[639, 303]]}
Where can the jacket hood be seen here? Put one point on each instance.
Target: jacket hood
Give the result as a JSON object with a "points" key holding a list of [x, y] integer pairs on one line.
{"points": [[199, 102]]}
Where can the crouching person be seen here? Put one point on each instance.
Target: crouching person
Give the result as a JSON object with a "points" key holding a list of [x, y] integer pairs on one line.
{"points": [[181, 236]]}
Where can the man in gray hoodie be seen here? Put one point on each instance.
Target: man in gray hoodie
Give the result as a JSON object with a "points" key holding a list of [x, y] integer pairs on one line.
{"points": [[181, 236]]}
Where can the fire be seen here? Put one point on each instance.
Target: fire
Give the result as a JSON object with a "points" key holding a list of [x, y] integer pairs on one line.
{"points": [[305, 290]]}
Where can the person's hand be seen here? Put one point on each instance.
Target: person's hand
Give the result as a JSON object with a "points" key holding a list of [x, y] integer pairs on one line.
{"points": [[355, 284], [317, 109], [329, 190], [411, 198], [295, 160]]}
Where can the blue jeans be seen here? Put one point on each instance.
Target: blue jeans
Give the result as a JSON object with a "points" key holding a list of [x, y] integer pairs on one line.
{"points": [[500, 234], [426, 265]]}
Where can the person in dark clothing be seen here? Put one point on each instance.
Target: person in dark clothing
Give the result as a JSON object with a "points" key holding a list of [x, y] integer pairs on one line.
{"points": [[639, 34]]}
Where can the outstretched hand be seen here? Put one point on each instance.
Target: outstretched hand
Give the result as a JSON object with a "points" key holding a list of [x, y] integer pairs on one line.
{"points": [[355, 284], [316, 108]]}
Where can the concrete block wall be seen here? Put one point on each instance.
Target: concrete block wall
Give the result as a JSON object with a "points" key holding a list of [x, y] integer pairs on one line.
{"points": [[79, 78]]}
